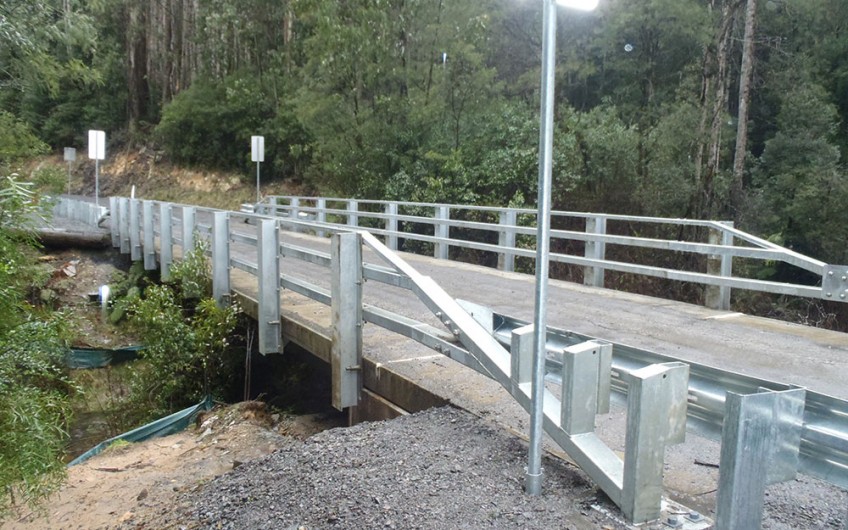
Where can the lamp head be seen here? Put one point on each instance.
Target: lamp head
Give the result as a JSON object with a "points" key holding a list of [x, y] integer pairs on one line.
{"points": [[582, 5]]}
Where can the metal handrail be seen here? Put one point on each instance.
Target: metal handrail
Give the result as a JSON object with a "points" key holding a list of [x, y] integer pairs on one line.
{"points": [[726, 243]]}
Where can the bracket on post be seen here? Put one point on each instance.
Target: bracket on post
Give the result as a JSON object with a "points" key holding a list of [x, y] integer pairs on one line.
{"points": [[835, 283]]}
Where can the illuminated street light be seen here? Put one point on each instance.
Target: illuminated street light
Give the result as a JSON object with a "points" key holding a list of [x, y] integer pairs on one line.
{"points": [[533, 479]]}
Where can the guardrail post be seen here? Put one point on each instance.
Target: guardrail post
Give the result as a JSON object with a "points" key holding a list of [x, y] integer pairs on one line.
{"points": [[124, 225], [166, 241], [521, 356], [135, 231], [294, 211], [760, 442], [718, 297], [392, 226], [272, 206], [580, 382], [595, 249], [352, 218], [321, 205], [656, 417], [268, 273], [149, 246], [114, 222], [188, 229], [346, 306], [221, 257], [506, 240], [441, 230]]}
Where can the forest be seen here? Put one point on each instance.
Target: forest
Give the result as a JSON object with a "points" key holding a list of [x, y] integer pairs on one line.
{"points": [[728, 109]]}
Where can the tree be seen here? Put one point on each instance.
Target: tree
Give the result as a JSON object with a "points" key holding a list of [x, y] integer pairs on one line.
{"points": [[34, 388]]}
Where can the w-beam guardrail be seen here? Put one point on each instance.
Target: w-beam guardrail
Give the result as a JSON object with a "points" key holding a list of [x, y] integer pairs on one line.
{"points": [[478, 227], [789, 429]]}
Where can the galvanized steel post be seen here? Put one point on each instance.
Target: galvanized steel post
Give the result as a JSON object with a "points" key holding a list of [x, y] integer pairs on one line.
{"points": [[268, 272], [656, 417], [221, 257], [441, 231], [760, 444], [352, 218], [580, 378], [718, 297], [596, 250], [149, 246], [124, 225], [506, 240], [166, 241], [114, 222], [392, 225], [188, 229], [533, 481], [294, 212], [135, 231], [321, 205], [346, 307]]}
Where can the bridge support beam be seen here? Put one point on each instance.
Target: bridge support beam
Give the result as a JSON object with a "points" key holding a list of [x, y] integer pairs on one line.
{"points": [[346, 310]]}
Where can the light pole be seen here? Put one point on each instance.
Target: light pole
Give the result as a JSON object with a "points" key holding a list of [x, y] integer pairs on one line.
{"points": [[533, 482]]}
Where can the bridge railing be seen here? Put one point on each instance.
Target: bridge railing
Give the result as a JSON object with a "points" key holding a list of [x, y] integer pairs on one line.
{"points": [[789, 429], [509, 234]]}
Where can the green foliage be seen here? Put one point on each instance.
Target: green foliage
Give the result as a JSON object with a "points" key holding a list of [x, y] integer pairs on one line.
{"points": [[211, 123], [17, 141], [187, 340], [34, 412], [802, 190]]}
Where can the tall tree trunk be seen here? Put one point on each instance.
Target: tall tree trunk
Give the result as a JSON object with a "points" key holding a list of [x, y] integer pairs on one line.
{"points": [[714, 87], [137, 73], [745, 76]]}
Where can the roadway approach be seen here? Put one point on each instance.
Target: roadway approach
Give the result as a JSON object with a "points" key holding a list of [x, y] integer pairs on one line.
{"points": [[401, 375]]}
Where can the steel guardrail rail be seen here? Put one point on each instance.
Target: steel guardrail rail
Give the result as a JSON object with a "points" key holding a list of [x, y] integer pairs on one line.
{"points": [[387, 215]]}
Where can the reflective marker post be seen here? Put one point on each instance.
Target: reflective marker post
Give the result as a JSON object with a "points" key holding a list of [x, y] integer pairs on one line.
{"points": [[96, 152], [257, 154]]}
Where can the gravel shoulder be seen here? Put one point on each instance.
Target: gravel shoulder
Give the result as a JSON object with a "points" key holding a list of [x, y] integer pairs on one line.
{"points": [[441, 468]]}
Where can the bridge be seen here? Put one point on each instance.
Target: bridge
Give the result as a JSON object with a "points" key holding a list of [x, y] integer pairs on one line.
{"points": [[314, 270]]}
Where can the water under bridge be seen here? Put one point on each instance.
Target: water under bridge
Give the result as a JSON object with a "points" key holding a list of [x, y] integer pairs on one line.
{"points": [[762, 400]]}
